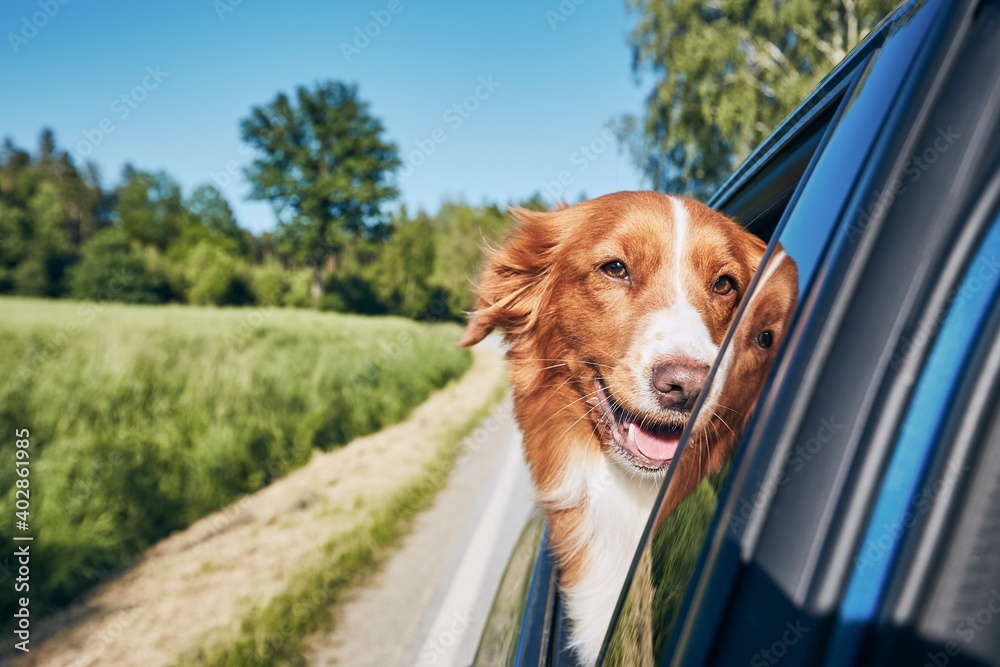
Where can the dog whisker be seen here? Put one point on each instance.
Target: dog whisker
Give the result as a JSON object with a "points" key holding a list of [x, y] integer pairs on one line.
{"points": [[731, 410], [572, 403], [564, 361], [581, 417], [716, 414], [548, 368], [615, 358]]}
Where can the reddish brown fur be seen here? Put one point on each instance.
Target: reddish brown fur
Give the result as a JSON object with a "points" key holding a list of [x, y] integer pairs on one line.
{"points": [[564, 320]]}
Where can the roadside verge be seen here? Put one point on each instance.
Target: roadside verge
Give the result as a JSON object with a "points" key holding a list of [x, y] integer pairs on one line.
{"points": [[245, 585]]}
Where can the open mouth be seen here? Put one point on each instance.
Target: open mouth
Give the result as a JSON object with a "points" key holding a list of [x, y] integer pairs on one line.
{"points": [[645, 444]]}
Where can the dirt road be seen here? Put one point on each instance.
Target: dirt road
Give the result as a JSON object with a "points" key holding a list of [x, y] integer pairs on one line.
{"points": [[429, 604]]}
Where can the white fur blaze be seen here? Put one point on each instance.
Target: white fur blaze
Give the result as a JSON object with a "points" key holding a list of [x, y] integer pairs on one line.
{"points": [[677, 331]]}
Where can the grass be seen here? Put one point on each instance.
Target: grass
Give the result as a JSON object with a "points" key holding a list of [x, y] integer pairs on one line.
{"points": [[276, 633], [144, 419]]}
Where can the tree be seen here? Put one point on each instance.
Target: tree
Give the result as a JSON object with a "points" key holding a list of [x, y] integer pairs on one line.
{"points": [[47, 255], [461, 233], [323, 164], [149, 207], [402, 272], [727, 72], [210, 218]]}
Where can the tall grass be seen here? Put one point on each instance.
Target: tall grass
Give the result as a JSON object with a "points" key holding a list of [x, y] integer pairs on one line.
{"points": [[144, 419], [275, 634]]}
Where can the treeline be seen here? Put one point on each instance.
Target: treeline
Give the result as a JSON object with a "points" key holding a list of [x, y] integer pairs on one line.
{"points": [[65, 234]]}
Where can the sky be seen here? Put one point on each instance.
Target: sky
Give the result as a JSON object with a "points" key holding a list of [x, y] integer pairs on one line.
{"points": [[164, 85]]}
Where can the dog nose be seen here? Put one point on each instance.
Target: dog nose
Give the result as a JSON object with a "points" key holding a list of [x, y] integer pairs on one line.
{"points": [[678, 383]]}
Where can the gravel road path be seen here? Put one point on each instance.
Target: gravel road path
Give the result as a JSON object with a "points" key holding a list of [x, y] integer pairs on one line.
{"points": [[429, 604]]}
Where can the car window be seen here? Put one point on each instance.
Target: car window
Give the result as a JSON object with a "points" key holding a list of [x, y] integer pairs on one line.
{"points": [[665, 565]]}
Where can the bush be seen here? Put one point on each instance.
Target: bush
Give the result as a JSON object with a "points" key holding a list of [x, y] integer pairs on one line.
{"points": [[110, 270], [216, 278], [351, 293], [299, 293], [269, 284]]}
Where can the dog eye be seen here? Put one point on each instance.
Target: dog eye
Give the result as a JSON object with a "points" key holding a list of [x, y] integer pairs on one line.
{"points": [[616, 269], [764, 339], [723, 285]]}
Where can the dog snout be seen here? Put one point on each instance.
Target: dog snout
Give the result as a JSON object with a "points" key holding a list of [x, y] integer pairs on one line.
{"points": [[678, 382]]}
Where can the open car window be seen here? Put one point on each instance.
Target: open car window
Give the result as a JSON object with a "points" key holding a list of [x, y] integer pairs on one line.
{"points": [[831, 137], [837, 207], [666, 563]]}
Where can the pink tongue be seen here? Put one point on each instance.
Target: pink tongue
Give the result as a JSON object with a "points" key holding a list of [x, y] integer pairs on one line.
{"points": [[657, 448]]}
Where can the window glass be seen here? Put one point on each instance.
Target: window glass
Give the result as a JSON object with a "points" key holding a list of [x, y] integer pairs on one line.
{"points": [[667, 562]]}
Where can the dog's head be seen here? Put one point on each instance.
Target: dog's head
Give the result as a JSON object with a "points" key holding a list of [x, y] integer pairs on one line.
{"points": [[619, 304]]}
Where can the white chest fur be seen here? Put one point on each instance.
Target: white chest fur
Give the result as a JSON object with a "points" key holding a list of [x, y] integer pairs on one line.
{"points": [[617, 507]]}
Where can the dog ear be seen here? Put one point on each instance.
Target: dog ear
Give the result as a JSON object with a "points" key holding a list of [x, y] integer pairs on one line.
{"points": [[513, 285]]}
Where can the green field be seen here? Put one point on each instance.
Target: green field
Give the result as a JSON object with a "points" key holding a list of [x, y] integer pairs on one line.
{"points": [[144, 419]]}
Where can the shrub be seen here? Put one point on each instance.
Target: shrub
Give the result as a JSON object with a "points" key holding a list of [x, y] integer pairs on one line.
{"points": [[351, 293], [111, 270], [269, 284], [215, 278], [299, 293]]}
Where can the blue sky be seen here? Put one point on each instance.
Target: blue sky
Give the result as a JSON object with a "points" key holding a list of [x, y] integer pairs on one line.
{"points": [[548, 82]]}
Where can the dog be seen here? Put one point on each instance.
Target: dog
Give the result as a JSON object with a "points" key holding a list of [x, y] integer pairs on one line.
{"points": [[613, 311]]}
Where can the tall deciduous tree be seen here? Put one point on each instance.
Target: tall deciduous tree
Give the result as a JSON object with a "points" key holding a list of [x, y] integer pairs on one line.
{"points": [[323, 163], [726, 73]]}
